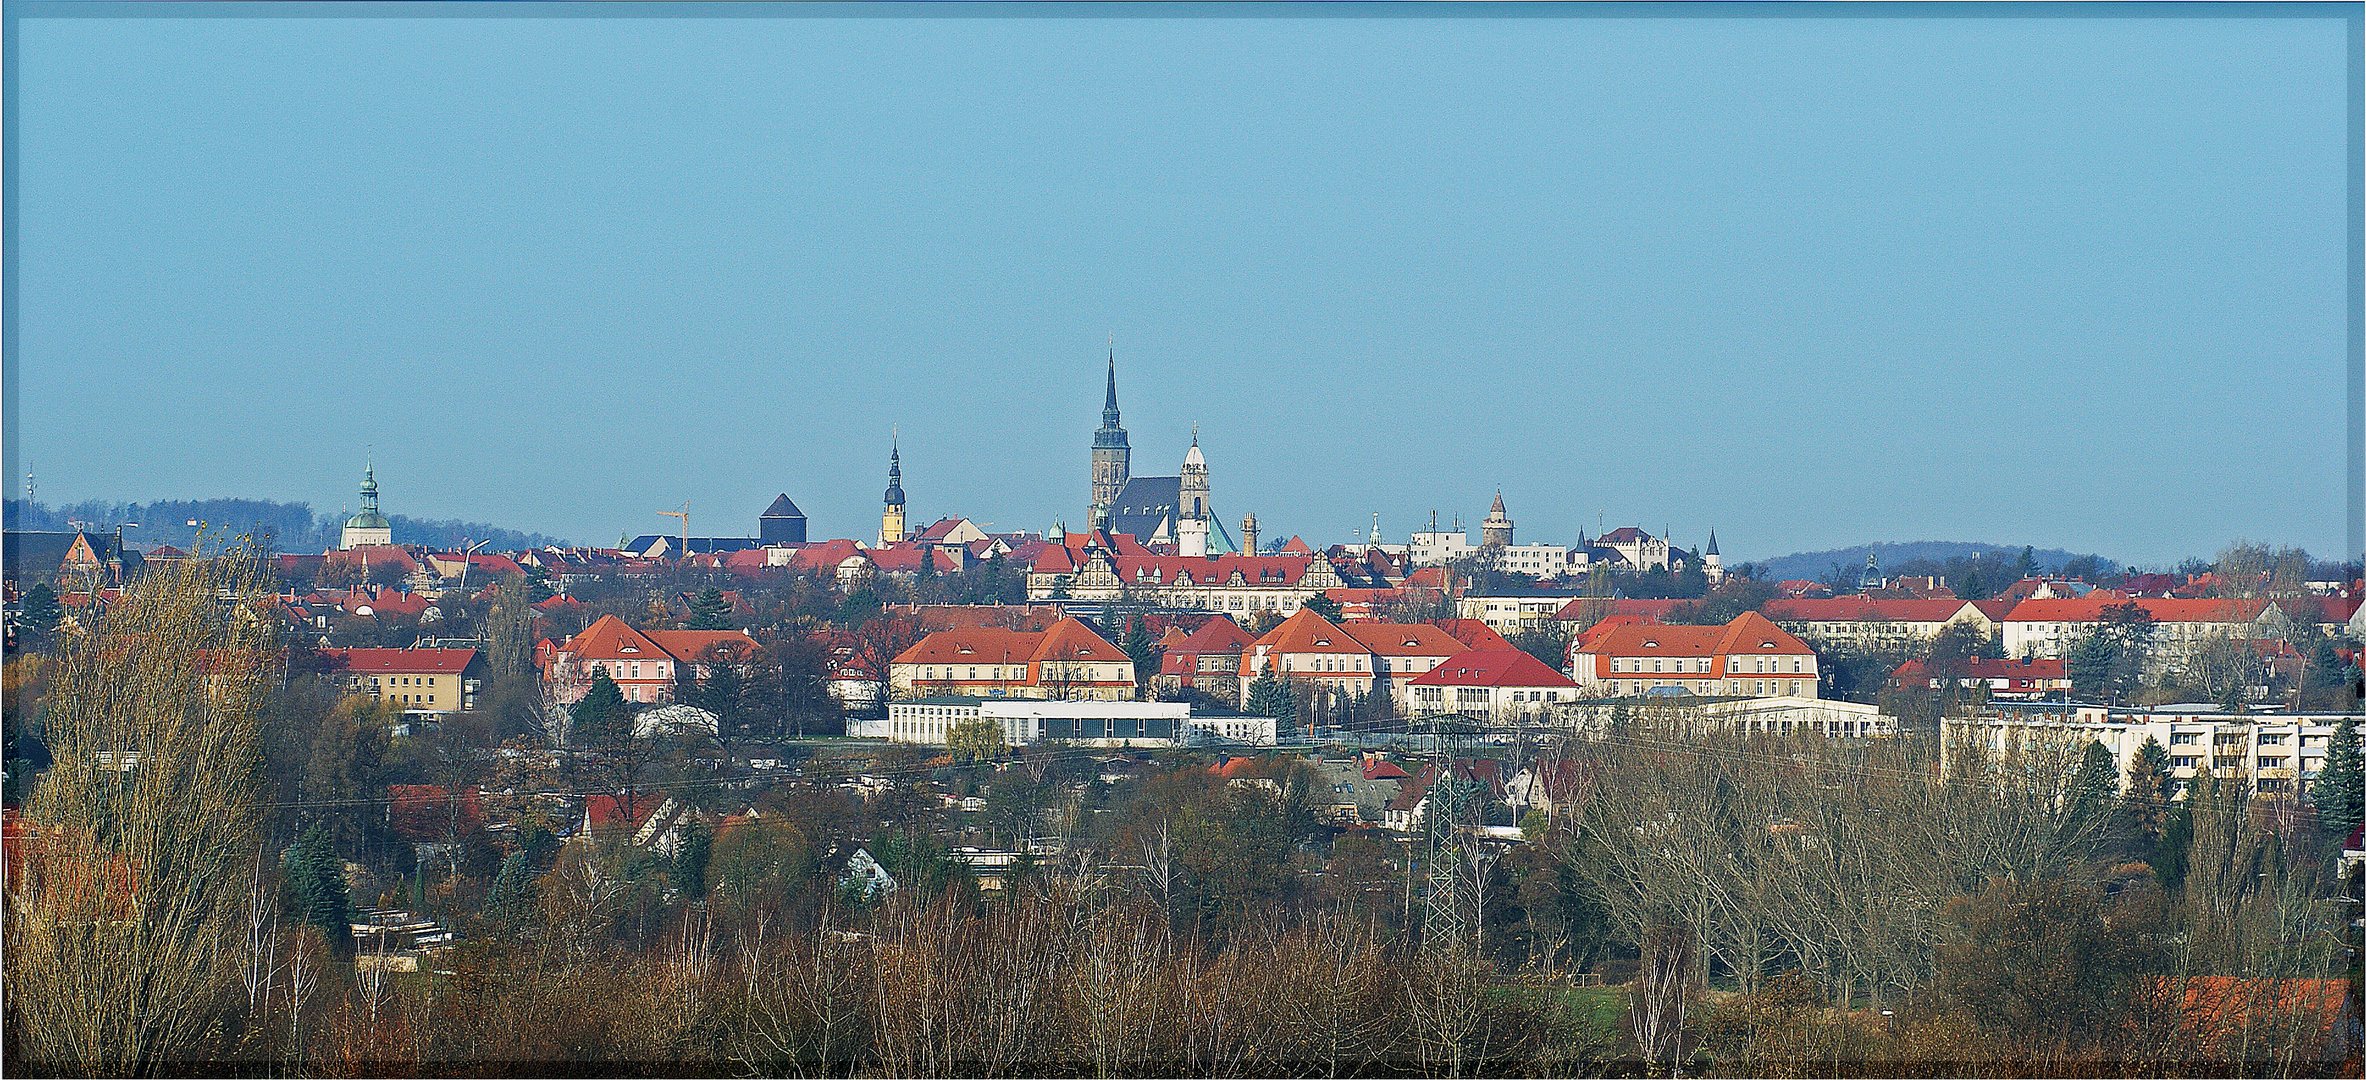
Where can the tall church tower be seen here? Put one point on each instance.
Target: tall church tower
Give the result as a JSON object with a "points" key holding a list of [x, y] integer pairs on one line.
{"points": [[1191, 501], [368, 527], [1110, 456], [891, 516]]}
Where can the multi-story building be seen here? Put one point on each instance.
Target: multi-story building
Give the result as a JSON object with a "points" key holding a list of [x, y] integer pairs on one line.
{"points": [[1206, 661], [1511, 612], [2275, 754], [2048, 628], [1498, 684], [1351, 657], [930, 720], [427, 683], [1436, 547], [1237, 585], [1066, 662], [1866, 623], [642, 663], [1748, 657]]}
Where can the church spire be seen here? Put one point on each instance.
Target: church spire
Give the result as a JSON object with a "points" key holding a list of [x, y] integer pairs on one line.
{"points": [[1109, 404]]}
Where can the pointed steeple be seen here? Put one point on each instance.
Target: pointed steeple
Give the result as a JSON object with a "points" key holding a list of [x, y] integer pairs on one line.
{"points": [[1192, 458], [1109, 403], [1497, 509], [1712, 543], [895, 470]]}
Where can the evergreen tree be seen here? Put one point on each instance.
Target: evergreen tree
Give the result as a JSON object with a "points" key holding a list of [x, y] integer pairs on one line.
{"points": [[2147, 797], [2174, 853], [709, 610], [512, 893], [2094, 663], [2095, 787], [41, 611], [2340, 787], [689, 871], [1143, 650], [316, 888], [601, 717], [1270, 696]]}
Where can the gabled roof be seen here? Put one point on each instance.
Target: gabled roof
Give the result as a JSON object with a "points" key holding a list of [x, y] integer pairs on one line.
{"points": [[1307, 632], [1068, 639], [1217, 635], [1749, 632], [1495, 668], [1403, 639], [609, 638], [1071, 639], [401, 661], [1473, 632], [692, 645]]}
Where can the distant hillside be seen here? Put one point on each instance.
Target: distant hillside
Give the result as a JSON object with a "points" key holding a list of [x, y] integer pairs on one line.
{"points": [[1817, 565], [293, 527]]}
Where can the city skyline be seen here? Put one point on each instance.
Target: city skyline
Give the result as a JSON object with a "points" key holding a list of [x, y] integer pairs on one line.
{"points": [[1837, 292]]}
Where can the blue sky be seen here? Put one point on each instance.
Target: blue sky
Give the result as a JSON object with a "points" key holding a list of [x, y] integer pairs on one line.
{"points": [[1812, 281]]}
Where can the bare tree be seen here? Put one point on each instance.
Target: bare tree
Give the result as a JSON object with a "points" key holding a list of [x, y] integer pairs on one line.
{"points": [[126, 924]]}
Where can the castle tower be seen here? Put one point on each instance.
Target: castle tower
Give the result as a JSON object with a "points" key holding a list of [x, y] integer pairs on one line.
{"points": [[1192, 492], [891, 516], [369, 526], [1711, 564], [1249, 535], [1496, 530], [1110, 456]]}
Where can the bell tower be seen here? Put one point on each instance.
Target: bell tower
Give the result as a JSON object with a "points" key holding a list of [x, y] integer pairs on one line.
{"points": [[1110, 455], [891, 514]]}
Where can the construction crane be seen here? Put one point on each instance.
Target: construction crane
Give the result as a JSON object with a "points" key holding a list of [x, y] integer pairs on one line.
{"points": [[684, 514]]}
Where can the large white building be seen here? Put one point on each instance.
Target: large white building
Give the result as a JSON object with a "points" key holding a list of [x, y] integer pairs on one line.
{"points": [[1024, 722], [2277, 754]]}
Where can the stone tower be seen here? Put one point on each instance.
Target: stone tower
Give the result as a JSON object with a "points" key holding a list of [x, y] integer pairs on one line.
{"points": [[1110, 455], [1496, 530], [891, 515], [1249, 535]]}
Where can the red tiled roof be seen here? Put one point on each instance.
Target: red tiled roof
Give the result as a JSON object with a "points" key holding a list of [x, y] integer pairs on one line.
{"points": [[1749, 633], [1493, 667], [694, 645], [1473, 633], [2089, 608], [1862, 609], [401, 661], [1068, 639], [1403, 639], [602, 812]]}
